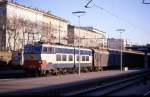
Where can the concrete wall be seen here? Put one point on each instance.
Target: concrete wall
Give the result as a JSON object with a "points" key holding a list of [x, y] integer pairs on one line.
{"points": [[115, 43]]}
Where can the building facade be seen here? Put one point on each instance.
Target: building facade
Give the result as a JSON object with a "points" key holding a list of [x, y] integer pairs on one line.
{"points": [[20, 25], [86, 37], [114, 43]]}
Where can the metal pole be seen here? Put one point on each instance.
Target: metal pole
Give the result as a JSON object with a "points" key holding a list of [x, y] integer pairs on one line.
{"points": [[22, 52], [59, 32], [80, 14], [79, 46], [121, 51], [121, 47], [146, 60]]}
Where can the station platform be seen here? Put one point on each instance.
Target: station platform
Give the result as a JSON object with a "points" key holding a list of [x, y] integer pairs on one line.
{"points": [[38, 84]]}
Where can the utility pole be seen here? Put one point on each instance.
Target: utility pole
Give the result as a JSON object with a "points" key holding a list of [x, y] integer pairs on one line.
{"points": [[146, 1], [79, 14], [121, 47]]}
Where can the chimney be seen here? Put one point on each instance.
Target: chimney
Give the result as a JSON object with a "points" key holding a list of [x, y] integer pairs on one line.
{"points": [[3, 1], [12, 1]]}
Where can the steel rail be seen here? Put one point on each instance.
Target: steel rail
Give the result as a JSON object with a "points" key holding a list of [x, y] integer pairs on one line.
{"points": [[112, 87], [146, 94]]}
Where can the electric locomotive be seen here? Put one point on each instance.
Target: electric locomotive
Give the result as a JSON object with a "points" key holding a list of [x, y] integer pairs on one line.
{"points": [[44, 58]]}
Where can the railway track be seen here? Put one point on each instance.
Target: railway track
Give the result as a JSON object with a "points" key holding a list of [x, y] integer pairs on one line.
{"points": [[93, 87], [147, 94], [110, 88]]}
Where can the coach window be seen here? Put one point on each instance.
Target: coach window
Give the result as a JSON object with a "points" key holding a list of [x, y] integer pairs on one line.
{"points": [[87, 58], [70, 58], [44, 50], [64, 58], [50, 50], [77, 58], [58, 57], [83, 58]]}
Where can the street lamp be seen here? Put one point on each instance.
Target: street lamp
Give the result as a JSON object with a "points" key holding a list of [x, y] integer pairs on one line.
{"points": [[121, 46], [79, 14]]}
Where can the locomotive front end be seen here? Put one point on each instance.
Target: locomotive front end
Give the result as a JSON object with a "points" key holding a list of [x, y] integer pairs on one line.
{"points": [[32, 59]]}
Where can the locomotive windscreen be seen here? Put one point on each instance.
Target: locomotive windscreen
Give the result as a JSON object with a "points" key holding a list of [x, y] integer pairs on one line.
{"points": [[32, 49]]}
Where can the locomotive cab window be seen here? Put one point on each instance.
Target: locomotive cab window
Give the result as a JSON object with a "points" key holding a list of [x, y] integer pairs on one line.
{"points": [[44, 49]]}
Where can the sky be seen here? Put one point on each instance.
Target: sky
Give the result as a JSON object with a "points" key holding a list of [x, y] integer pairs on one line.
{"points": [[106, 15]]}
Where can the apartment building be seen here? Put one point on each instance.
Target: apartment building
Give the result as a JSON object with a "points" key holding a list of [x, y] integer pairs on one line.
{"points": [[20, 25], [86, 37]]}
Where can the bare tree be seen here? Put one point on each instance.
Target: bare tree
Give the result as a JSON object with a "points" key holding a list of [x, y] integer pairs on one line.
{"points": [[15, 30], [21, 31], [10, 31], [47, 33]]}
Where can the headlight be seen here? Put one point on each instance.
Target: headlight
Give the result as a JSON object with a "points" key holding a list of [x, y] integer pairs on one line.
{"points": [[40, 62]]}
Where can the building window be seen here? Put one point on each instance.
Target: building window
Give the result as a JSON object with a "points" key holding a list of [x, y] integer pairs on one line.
{"points": [[58, 57], [70, 58], [64, 57]]}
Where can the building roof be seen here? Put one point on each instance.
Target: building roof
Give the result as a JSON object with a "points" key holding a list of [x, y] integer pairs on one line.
{"points": [[48, 13], [91, 29]]}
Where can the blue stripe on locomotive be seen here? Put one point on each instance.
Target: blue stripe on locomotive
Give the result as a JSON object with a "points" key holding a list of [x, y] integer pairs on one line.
{"points": [[32, 49], [38, 49], [71, 51]]}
